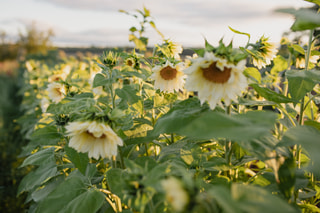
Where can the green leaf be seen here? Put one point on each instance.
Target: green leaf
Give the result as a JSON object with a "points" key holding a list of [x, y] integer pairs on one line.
{"points": [[299, 49], [253, 73], [42, 157], [89, 201], [128, 93], [47, 135], [80, 160], [280, 64], [44, 191], [308, 138], [100, 80], [238, 32], [207, 125], [314, 1], [306, 19], [252, 199], [208, 47], [115, 181], [59, 198], [271, 95], [287, 177], [38, 177], [302, 82]]}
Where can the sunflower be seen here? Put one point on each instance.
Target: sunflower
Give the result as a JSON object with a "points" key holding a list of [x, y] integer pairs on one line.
{"points": [[301, 61], [176, 195], [214, 78], [98, 139], [168, 77], [56, 91], [266, 52]]}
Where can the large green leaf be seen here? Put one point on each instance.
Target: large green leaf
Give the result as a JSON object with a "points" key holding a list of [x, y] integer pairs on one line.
{"points": [[100, 80], [308, 137], [39, 158], [47, 135], [115, 181], [302, 82], [128, 93], [89, 201], [254, 199], [80, 160], [209, 124], [306, 19], [59, 198], [248, 198], [38, 177], [271, 95]]}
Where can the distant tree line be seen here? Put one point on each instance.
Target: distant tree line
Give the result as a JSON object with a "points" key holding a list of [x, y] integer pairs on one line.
{"points": [[32, 42]]}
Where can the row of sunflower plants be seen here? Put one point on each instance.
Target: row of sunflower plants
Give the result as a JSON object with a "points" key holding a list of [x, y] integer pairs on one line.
{"points": [[224, 130]]}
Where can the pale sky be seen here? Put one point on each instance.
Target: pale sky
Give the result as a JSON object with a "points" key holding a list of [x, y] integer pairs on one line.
{"points": [[99, 22]]}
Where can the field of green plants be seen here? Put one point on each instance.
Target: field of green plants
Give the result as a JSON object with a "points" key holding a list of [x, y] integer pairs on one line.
{"points": [[226, 129]]}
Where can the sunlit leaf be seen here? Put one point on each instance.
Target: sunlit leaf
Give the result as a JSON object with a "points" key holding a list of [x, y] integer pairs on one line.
{"points": [[314, 1], [238, 32], [280, 64], [253, 73]]}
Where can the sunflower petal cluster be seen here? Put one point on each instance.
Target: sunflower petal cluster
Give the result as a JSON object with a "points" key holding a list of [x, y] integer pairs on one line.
{"points": [[215, 78], [95, 138], [56, 91], [264, 53]]}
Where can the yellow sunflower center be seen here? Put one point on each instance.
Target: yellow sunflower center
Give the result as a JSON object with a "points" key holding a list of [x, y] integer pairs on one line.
{"points": [[215, 75], [168, 73], [101, 137]]}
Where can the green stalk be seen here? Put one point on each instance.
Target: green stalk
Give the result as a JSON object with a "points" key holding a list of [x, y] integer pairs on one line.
{"points": [[302, 103]]}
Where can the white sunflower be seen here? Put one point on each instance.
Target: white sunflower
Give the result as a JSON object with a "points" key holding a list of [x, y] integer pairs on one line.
{"points": [[301, 61], [98, 139], [266, 53], [56, 91], [168, 77], [214, 78], [176, 195]]}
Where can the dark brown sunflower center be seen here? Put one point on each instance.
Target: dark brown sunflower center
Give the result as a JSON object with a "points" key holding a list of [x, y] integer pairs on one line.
{"points": [[168, 73], [215, 75], [101, 137]]}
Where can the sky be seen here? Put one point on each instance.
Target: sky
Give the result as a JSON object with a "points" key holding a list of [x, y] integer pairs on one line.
{"points": [[83, 23]]}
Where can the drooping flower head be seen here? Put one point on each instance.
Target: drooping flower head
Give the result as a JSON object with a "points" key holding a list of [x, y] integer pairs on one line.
{"points": [[168, 77], [95, 138], [176, 195], [170, 49], [263, 52], [217, 75], [56, 91]]}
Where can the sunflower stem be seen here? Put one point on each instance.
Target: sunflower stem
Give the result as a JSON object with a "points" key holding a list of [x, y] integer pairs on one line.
{"points": [[228, 148], [114, 162]]}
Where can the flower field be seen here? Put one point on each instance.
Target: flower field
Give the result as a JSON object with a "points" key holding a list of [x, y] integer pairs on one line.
{"points": [[227, 129]]}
